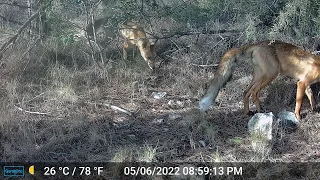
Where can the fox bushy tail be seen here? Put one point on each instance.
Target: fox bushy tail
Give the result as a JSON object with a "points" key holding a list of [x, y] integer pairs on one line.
{"points": [[221, 76]]}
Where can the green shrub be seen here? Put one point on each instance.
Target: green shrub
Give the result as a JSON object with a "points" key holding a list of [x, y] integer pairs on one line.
{"points": [[296, 19]]}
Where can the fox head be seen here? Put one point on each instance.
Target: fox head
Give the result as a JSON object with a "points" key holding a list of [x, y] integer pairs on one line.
{"points": [[147, 51]]}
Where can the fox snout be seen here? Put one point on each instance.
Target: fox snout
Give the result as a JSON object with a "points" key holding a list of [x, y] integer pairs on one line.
{"points": [[149, 60], [151, 65]]}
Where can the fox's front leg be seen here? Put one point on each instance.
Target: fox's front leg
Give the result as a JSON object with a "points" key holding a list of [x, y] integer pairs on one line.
{"points": [[124, 52], [310, 97], [301, 88]]}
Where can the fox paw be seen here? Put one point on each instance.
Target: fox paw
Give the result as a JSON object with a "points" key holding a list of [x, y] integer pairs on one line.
{"points": [[251, 113]]}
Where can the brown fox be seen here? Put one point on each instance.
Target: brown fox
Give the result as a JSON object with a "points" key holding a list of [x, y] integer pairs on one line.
{"points": [[269, 58], [133, 35]]}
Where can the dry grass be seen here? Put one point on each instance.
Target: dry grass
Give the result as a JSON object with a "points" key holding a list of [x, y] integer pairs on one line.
{"points": [[165, 130]]}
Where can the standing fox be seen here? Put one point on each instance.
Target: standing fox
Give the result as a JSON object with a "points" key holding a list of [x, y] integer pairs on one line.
{"points": [[133, 35], [269, 58]]}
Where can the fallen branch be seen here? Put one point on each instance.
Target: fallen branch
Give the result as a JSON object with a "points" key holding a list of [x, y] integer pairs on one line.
{"points": [[209, 65], [188, 33], [31, 112], [112, 107], [14, 38]]}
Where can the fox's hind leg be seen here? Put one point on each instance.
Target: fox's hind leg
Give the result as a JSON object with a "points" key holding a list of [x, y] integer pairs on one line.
{"points": [[265, 70], [257, 75], [309, 94], [265, 80]]}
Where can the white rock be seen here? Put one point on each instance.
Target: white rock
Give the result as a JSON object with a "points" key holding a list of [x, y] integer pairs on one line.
{"points": [[261, 123], [158, 95]]}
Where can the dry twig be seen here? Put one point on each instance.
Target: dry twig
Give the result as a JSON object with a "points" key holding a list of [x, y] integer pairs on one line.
{"points": [[31, 112], [204, 65], [112, 107]]}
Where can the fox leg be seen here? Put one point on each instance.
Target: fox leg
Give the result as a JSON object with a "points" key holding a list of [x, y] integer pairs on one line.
{"points": [[254, 83], [256, 91], [265, 70], [301, 88], [309, 94], [246, 96], [124, 52]]}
